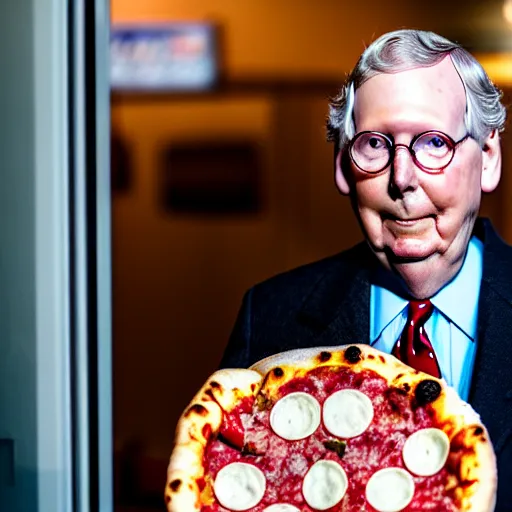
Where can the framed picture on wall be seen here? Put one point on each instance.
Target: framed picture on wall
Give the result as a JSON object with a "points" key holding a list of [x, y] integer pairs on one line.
{"points": [[165, 57], [212, 177]]}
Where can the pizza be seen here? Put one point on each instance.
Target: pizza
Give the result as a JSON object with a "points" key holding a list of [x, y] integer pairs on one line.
{"points": [[339, 429]]}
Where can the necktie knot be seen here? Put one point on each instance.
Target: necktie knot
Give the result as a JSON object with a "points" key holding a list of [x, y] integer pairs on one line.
{"points": [[419, 312]]}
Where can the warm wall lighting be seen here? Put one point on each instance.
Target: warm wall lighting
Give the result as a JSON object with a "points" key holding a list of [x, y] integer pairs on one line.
{"points": [[507, 11], [498, 66]]}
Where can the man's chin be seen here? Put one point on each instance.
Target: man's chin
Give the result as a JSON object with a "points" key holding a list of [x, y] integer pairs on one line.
{"points": [[407, 257], [416, 273], [409, 251]]}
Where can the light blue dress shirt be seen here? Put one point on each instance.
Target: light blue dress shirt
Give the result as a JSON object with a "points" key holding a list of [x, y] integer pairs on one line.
{"points": [[452, 328]]}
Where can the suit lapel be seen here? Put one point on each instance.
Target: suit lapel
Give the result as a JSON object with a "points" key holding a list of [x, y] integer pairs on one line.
{"points": [[491, 387], [339, 306]]}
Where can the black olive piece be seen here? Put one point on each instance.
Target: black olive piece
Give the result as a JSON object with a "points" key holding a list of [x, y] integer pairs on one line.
{"points": [[353, 354], [427, 391]]}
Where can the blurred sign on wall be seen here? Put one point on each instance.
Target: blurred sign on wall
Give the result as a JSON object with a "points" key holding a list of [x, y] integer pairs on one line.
{"points": [[178, 56]]}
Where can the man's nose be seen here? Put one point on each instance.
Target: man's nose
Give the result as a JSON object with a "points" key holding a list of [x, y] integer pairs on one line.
{"points": [[404, 173]]}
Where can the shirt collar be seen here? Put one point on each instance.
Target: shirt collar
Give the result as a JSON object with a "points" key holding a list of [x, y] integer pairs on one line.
{"points": [[457, 300]]}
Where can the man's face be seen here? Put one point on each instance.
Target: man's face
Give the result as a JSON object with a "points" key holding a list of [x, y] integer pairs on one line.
{"points": [[418, 224]]}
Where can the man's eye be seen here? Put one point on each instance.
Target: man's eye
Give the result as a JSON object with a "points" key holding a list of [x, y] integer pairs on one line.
{"points": [[436, 142], [375, 143]]}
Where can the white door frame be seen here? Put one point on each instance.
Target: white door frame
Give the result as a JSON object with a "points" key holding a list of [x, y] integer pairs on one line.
{"points": [[55, 324]]}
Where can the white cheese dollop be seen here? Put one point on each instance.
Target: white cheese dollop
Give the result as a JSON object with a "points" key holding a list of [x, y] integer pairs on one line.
{"points": [[324, 485], [295, 416], [347, 413], [239, 486], [425, 452], [281, 507], [390, 490]]}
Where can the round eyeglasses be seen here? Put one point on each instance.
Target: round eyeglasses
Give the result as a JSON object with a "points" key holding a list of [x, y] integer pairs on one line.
{"points": [[431, 151]]}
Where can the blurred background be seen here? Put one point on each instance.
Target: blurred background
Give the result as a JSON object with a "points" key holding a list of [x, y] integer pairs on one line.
{"points": [[221, 177]]}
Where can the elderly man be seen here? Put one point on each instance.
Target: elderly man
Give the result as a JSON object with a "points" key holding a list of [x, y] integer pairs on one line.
{"points": [[416, 129]]}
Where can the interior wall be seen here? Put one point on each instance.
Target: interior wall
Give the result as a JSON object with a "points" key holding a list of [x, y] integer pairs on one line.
{"points": [[288, 37], [178, 279]]}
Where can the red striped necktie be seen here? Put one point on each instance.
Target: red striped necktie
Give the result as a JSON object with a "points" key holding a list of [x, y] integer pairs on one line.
{"points": [[414, 347]]}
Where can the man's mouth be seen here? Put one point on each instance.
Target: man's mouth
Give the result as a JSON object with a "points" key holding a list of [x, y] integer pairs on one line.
{"points": [[407, 220], [408, 225]]}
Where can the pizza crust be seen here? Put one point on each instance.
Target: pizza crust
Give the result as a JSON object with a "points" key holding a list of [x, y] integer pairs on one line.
{"points": [[300, 361], [202, 418]]}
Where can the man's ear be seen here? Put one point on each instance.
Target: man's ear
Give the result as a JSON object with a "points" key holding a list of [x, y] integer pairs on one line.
{"points": [[341, 173], [491, 162]]}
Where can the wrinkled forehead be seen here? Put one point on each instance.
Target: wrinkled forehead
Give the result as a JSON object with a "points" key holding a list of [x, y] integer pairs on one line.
{"points": [[433, 92]]}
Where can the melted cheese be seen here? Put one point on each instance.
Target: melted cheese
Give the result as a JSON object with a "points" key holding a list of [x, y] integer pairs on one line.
{"points": [[390, 490], [425, 452], [347, 413], [295, 416], [324, 485], [239, 486]]}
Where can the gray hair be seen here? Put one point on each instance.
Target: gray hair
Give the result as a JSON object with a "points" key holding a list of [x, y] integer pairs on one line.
{"points": [[407, 49]]}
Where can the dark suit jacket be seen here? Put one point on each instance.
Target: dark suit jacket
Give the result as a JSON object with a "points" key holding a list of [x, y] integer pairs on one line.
{"points": [[327, 303]]}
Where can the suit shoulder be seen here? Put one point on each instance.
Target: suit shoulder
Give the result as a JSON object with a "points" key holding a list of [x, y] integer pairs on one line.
{"points": [[305, 277]]}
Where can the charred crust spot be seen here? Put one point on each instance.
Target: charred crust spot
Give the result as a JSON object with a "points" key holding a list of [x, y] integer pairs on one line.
{"points": [[382, 360], [406, 387], [167, 498], [478, 431], [427, 391], [197, 409], [399, 376], [253, 387], [209, 394], [353, 354], [371, 356], [215, 385], [175, 485], [324, 356], [278, 372]]}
